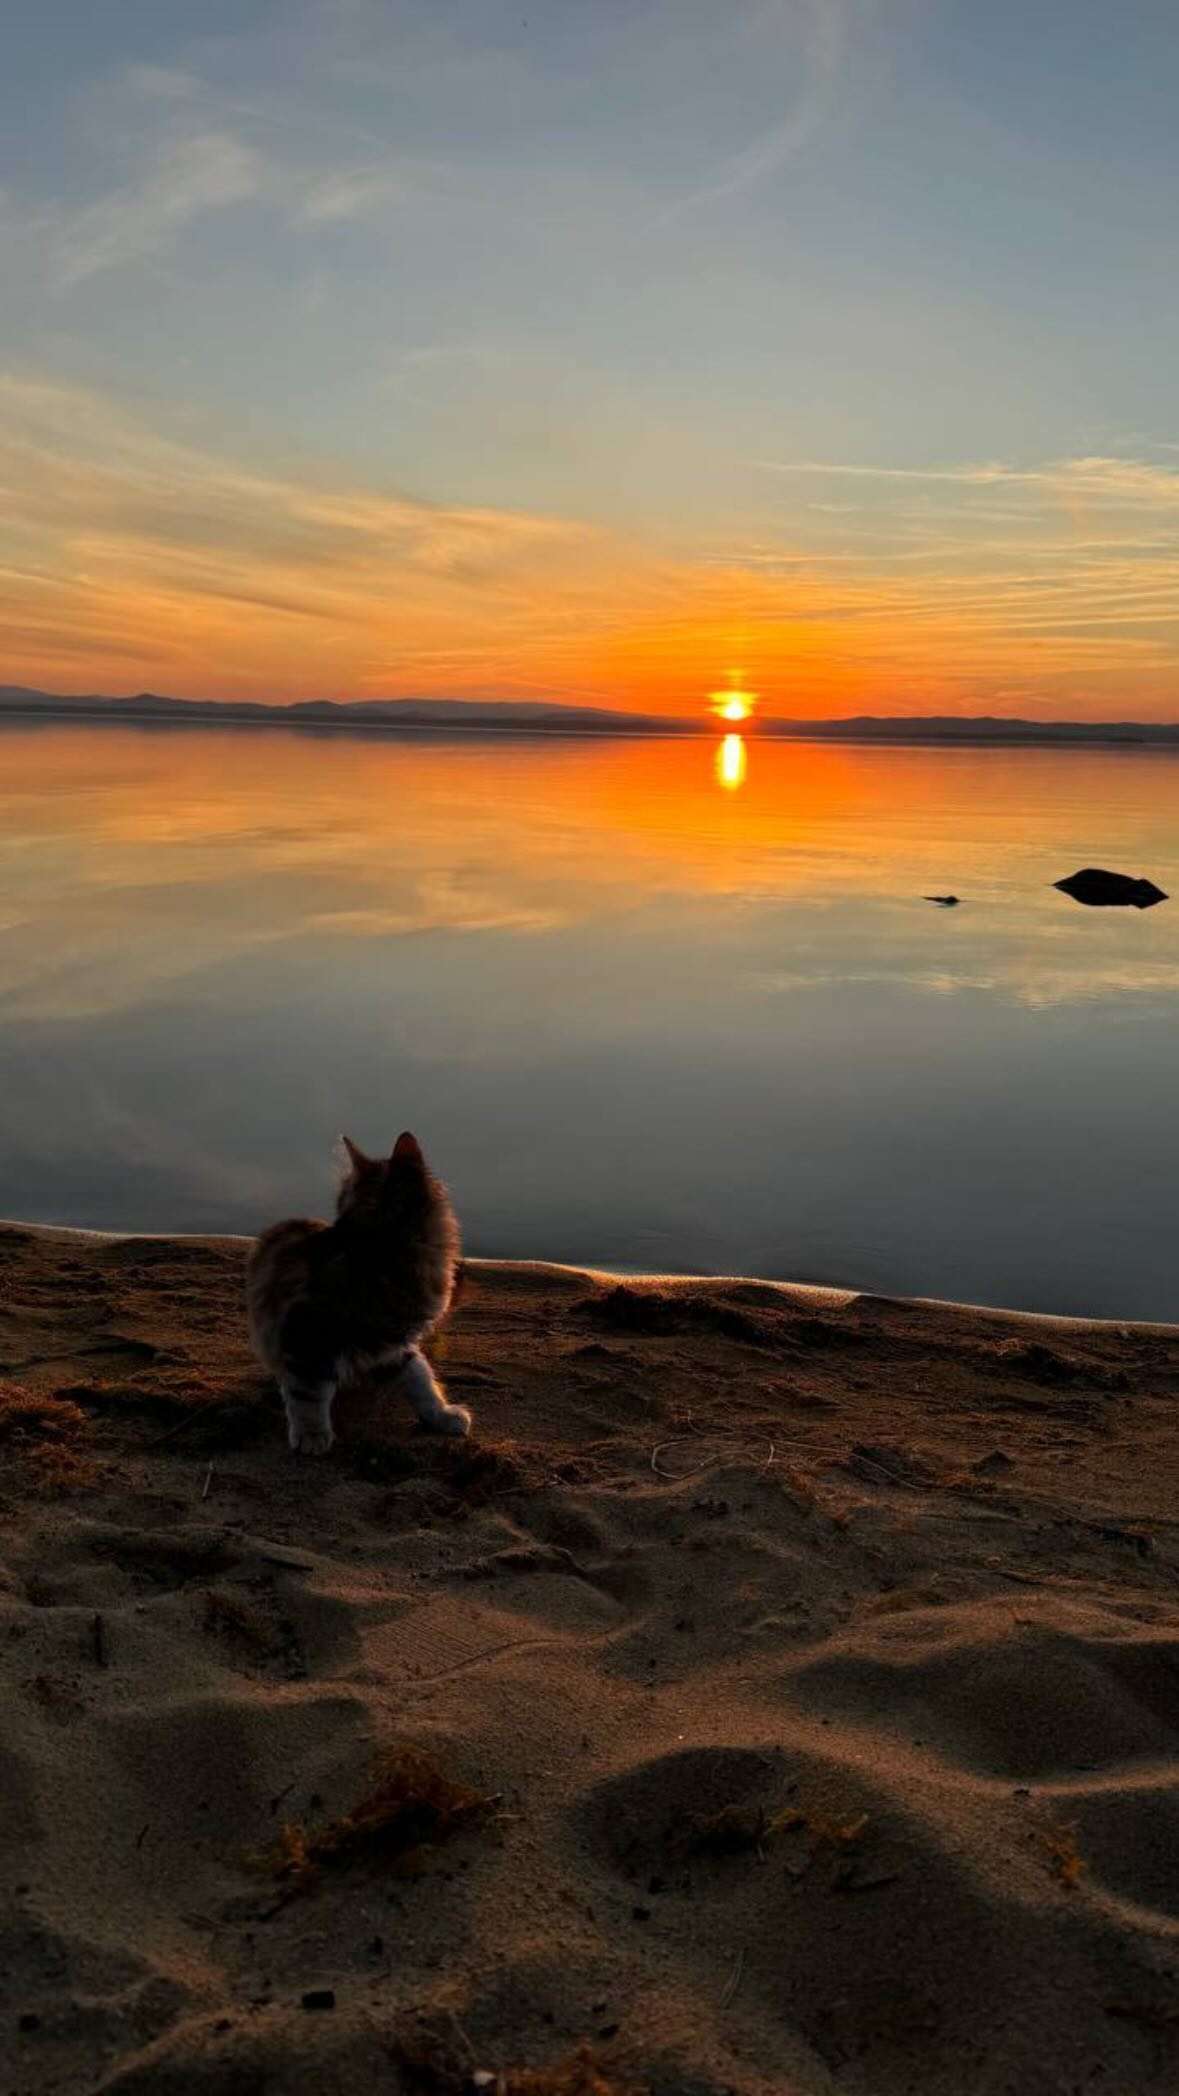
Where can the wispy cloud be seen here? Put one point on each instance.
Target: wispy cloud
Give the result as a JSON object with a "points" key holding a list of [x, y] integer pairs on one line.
{"points": [[815, 34], [207, 171], [361, 192], [186, 148], [177, 183], [1116, 479], [807, 44], [968, 476], [143, 546]]}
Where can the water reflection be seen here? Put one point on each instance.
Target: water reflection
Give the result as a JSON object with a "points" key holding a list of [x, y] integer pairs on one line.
{"points": [[731, 761], [640, 1021]]}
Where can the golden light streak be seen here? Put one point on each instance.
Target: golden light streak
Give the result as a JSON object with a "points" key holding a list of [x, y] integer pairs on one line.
{"points": [[731, 762]]}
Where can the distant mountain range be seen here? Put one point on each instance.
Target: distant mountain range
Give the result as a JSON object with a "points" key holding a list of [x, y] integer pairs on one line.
{"points": [[466, 714], [495, 717]]}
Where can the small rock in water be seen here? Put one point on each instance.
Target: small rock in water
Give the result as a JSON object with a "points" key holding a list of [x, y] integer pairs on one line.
{"points": [[320, 1998], [945, 902], [1100, 890]]}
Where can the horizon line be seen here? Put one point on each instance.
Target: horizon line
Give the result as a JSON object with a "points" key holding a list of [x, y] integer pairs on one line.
{"points": [[461, 715]]}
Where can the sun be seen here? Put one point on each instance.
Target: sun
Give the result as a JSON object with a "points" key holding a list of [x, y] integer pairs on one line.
{"points": [[734, 703]]}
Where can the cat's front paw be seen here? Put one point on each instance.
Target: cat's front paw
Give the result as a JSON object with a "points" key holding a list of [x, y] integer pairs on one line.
{"points": [[311, 1440], [455, 1419]]}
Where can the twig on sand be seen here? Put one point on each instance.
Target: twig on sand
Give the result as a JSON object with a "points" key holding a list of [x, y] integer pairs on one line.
{"points": [[734, 1980], [716, 1462], [214, 1924], [208, 1482], [98, 1635], [190, 1417], [205, 1410]]}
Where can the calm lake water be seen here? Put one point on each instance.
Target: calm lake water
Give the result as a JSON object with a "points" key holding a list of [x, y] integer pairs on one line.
{"points": [[649, 1005]]}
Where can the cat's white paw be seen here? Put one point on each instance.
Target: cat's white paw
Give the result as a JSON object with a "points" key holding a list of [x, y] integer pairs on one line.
{"points": [[311, 1440], [454, 1420]]}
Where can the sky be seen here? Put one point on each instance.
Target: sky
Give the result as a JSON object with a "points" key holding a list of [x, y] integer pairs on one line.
{"points": [[607, 353]]}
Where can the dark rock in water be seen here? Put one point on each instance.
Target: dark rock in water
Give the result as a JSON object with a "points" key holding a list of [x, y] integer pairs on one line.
{"points": [[948, 902], [1100, 890]]}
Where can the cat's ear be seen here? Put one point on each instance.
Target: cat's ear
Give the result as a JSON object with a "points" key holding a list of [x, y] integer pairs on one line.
{"points": [[353, 1155], [407, 1149]]}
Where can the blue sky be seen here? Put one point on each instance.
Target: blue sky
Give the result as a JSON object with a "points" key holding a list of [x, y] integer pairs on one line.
{"points": [[829, 339]]}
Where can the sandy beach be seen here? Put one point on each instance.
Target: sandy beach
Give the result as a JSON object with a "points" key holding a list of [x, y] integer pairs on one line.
{"points": [[780, 1692]]}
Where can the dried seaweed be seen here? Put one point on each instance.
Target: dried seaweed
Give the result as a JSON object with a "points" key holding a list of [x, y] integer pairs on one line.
{"points": [[738, 1829], [33, 1415], [1060, 1846], [228, 1615], [578, 2076], [411, 1804], [53, 1466], [435, 2058], [732, 1831]]}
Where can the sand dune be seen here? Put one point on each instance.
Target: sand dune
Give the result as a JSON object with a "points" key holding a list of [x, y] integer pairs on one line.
{"points": [[814, 1661]]}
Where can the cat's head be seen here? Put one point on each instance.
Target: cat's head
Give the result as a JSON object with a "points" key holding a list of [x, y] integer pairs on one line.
{"points": [[372, 1185]]}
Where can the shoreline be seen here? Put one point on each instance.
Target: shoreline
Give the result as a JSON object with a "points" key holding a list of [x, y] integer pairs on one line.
{"points": [[800, 1294]]}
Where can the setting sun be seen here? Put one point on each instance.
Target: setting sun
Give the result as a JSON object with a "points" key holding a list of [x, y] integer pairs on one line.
{"points": [[734, 703]]}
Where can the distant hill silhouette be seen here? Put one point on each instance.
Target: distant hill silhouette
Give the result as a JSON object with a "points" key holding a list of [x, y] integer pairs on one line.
{"points": [[476, 715], [536, 717]]}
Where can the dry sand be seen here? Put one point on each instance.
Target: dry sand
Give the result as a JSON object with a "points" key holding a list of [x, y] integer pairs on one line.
{"points": [[819, 1657]]}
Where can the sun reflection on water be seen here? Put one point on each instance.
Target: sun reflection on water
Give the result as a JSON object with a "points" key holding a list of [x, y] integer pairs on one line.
{"points": [[731, 762]]}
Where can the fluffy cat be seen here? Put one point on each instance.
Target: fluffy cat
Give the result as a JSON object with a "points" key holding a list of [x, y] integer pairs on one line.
{"points": [[331, 1302]]}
